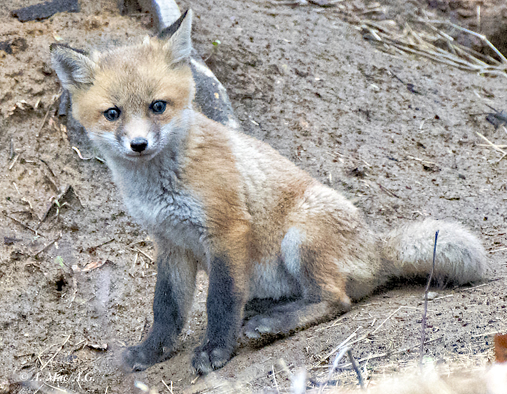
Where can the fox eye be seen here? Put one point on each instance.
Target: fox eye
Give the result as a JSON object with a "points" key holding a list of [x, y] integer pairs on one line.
{"points": [[158, 107], [112, 114]]}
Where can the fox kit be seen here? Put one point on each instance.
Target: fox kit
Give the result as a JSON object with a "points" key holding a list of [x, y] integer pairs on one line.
{"points": [[215, 198]]}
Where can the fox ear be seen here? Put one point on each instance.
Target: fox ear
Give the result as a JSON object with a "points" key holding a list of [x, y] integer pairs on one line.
{"points": [[72, 66], [179, 43]]}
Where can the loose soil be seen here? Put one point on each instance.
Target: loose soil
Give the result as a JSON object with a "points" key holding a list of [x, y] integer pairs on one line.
{"points": [[303, 80]]}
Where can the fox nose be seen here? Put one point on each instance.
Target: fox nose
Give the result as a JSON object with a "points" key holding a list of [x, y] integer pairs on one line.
{"points": [[139, 144]]}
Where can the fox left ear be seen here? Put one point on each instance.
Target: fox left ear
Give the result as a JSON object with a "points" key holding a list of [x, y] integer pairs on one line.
{"points": [[179, 43], [73, 67]]}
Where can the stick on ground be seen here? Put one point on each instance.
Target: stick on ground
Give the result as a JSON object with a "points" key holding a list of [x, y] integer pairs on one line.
{"points": [[356, 369], [423, 329]]}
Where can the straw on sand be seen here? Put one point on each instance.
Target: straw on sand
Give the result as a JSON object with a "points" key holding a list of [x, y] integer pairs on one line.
{"points": [[428, 37]]}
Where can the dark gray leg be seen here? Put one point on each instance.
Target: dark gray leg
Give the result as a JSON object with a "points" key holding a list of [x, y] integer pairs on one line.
{"points": [[284, 319], [173, 298], [225, 310]]}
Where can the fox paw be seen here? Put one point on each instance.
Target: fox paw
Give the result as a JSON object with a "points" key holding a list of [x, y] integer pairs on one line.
{"points": [[135, 358], [262, 325], [208, 358], [138, 358]]}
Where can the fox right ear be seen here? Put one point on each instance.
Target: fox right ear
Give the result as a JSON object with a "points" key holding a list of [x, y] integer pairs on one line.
{"points": [[72, 66], [179, 43]]}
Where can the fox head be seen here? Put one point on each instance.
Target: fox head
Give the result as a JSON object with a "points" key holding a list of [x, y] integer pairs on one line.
{"points": [[132, 100]]}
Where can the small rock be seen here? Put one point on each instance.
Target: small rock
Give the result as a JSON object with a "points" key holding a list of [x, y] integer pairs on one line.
{"points": [[359, 172], [13, 46], [300, 73], [97, 346], [6, 47], [431, 167], [45, 10], [5, 387], [11, 240], [46, 69], [432, 295]]}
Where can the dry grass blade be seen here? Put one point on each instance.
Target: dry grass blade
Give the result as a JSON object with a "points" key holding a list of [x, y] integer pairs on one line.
{"points": [[423, 323], [48, 245], [333, 367], [494, 146], [25, 226], [356, 369], [478, 35], [54, 355], [170, 389], [339, 346], [429, 38]]}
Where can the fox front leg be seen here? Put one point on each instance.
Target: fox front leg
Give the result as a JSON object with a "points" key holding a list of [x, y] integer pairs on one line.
{"points": [[176, 271], [225, 303]]}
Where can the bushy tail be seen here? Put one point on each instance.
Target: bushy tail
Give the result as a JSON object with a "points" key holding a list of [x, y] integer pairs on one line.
{"points": [[460, 256]]}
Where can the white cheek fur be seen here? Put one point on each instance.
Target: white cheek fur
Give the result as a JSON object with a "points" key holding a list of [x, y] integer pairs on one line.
{"points": [[107, 143]]}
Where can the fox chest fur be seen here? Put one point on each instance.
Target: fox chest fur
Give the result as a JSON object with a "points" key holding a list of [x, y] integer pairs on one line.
{"points": [[158, 201]]}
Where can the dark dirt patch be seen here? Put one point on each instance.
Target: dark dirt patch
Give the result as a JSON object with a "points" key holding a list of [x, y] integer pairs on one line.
{"points": [[302, 80]]}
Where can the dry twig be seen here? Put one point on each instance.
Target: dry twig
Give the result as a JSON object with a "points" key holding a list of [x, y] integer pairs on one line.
{"points": [[495, 147], [423, 323], [337, 359], [25, 225], [170, 389], [48, 246], [54, 355], [356, 369]]}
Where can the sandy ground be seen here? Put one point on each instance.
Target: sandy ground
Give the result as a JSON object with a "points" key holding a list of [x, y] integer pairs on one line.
{"points": [[306, 82]]}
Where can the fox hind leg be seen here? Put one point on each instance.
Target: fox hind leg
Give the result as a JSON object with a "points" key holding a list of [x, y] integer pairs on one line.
{"points": [[322, 297], [291, 317]]}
